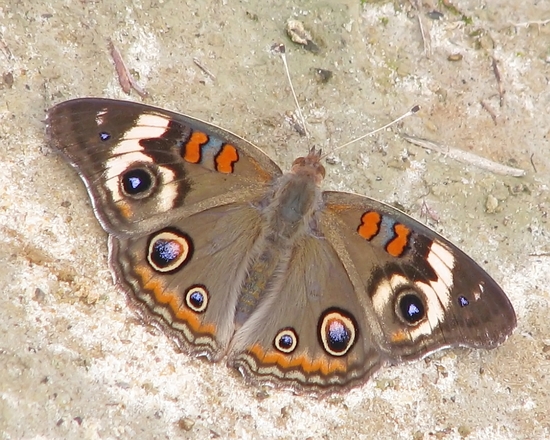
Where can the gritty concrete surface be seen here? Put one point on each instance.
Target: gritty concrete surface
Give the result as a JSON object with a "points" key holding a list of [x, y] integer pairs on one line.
{"points": [[76, 363]]}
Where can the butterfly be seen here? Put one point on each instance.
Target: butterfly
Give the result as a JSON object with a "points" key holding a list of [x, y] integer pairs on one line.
{"points": [[233, 259]]}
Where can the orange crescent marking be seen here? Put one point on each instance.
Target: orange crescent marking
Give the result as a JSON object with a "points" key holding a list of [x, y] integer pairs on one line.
{"points": [[163, 296], [306, 364], [400, 336], [193, 146], [370, 225], [226, 158], [397, 246], [124, 209]]}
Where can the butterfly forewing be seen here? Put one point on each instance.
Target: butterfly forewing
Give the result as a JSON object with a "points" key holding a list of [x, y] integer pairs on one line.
{"points": [[145, 167], [425, 292]]}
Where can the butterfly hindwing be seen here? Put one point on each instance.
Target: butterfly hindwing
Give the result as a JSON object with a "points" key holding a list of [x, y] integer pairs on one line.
{"points": [[185, 278], [309, 331]]}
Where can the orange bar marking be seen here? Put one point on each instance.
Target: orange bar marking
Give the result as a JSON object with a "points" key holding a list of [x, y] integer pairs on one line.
{"points": [[266, 177], [397, 246], [370, 225], [226, 158], [172, 300], [306, 364], [193, 146]]}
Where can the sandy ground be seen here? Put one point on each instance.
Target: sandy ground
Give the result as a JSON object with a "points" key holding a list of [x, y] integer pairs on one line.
{"points": [[74, 360]]}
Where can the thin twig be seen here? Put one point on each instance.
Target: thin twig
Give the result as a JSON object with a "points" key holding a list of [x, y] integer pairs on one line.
{"points": [[499, 80], [466, 157], [533, 162], [489, 110], [4, 47], [428, 212], [425, 36], [125, 78], [529, 23], [204, 69]]}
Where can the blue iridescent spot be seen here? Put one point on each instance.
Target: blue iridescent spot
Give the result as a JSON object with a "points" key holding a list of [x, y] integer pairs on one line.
{"points": [[165, 252], [463, 301], [137, 181], [338, 336], [196, 298], [286, 341], [104, 136], [134, 182], [412, 308]]}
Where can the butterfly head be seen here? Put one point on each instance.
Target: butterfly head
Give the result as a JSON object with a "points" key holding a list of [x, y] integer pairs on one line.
{"points": [[310, 166]]}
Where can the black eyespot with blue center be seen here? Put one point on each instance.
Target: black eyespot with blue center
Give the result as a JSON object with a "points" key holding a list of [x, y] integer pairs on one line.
{"points": [[337, 331], [104, 136], [463, 301], [286, 340], [196, 298], [137, 182], [412, 308], [169, 250]]}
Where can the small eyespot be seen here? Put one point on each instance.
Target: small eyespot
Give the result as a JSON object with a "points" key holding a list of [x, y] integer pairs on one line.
{"points": [[337, 331], [137, 182], [411, 308], [169, 250], [104, 136], [196, 298], [463, 301], [286, 340]]}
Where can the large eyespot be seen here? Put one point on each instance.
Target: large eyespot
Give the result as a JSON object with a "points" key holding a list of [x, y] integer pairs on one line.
{"points": [[137, 183], [169, 250], [196, 298], [410, 307], [337, 331], [286, 340]]}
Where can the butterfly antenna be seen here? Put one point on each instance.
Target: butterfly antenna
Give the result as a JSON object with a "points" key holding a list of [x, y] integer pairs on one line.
{"points": [[281, 50], [411, 112]]}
